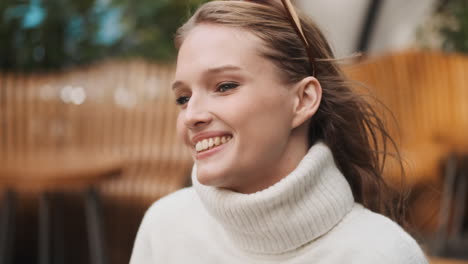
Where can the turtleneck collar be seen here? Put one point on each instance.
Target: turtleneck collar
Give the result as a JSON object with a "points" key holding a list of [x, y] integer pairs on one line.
{"points": [[301, 207]]}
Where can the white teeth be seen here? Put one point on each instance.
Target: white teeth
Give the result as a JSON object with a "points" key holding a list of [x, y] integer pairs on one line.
{"points": [[211, 142], [198, 146]]}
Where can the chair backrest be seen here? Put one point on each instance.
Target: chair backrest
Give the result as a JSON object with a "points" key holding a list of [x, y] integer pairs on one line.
{"points": [[427, 93], [116, 108]]}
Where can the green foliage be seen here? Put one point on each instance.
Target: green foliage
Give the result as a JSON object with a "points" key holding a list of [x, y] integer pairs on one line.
{"points": [[454, 30], [39, 35]]}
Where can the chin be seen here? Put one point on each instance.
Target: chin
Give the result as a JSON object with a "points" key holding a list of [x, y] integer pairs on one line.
{"points": [[206, 177], [210, 177]]}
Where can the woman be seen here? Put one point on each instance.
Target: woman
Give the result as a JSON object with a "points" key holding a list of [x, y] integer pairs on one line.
{"points": [[286, 165]]}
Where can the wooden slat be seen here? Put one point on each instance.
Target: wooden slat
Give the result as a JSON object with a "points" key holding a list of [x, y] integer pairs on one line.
{"points": [[434, 260], [426, 92], [143, 134], [3, 115]]}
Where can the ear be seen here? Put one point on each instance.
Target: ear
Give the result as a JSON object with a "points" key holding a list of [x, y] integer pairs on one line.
{"points": [[307, 100]]}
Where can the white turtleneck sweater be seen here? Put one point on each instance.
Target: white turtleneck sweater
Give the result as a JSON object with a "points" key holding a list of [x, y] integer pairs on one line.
{"points": [[308, 217]]}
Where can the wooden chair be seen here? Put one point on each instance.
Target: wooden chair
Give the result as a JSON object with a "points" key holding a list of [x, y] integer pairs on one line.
{"points": [[446, 261], [427, 93], [121, 110]]}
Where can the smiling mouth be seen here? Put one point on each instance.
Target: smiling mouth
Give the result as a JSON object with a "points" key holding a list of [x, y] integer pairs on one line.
{"points": [[209, 143]]}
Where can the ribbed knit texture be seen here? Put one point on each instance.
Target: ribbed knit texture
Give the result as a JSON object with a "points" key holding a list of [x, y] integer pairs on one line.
{"points": [[301, 207], [307, 217]]}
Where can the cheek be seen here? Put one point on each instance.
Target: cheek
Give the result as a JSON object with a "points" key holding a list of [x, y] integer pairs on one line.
{"points": [[181, 128], [266, 122]]}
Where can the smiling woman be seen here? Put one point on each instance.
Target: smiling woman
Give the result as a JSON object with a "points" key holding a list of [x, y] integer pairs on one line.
{"points": [[229, 90], [287, 161]]}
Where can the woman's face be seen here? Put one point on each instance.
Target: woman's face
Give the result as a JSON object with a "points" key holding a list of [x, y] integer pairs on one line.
{"points": [[236, 114]]}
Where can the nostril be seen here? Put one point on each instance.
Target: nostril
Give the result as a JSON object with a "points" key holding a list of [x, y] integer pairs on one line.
{"points": [[197, 120], [199, 123], [196, 123]]}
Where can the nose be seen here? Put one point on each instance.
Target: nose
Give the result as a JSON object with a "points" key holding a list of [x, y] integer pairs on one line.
{"points": [[196, 115]]}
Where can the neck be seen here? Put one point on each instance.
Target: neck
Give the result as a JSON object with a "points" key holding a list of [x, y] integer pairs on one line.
{"points": [[297, 209]]}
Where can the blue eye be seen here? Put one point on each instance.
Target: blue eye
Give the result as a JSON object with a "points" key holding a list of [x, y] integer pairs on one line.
{"points": [[226, 86], [182, 100]]}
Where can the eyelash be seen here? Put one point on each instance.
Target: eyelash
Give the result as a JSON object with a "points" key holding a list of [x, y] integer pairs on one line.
{"points": [[182, 100], [223, 87]]}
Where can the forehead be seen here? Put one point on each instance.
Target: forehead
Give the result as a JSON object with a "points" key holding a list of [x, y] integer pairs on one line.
{"points": [[210, 46]]}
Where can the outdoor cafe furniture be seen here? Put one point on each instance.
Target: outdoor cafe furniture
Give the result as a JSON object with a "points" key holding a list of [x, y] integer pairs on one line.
{"points": [[51, 175]]}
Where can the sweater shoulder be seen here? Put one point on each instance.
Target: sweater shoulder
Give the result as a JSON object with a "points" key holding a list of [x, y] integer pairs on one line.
{"points": [[173, 204], [169, 211], [172, 213], [166, 226], [369, 235]]}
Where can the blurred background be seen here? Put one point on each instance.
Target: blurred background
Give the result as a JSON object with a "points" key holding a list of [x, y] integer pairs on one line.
{"points": [[87, 122]]}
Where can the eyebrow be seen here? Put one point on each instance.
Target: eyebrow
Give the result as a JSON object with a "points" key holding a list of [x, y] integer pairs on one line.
{"points": [[215, 70]]}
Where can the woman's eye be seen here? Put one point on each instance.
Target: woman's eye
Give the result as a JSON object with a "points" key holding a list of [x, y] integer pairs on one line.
{"points": [[226, 86], [182, 100]]}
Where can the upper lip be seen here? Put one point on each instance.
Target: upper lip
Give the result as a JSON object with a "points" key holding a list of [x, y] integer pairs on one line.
{"points": [[208, 134]]}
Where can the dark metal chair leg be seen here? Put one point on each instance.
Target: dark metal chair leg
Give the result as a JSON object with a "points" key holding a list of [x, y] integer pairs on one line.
{"points": [[450, 240], [58, 240], [459, 214], [445, 205], [97, 246], [44, 229], [7, 228]]}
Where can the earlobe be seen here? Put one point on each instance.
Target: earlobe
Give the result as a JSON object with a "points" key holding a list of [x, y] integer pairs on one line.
{"points": [[308, 97]]}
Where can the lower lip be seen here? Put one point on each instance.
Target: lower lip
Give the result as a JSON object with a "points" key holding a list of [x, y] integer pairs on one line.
{"points": [[210, 152]]}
